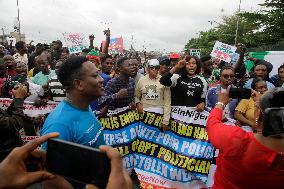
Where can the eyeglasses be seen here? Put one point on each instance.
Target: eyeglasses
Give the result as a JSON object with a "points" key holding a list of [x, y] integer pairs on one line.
{"points": [[155, 68], [228, 76]]}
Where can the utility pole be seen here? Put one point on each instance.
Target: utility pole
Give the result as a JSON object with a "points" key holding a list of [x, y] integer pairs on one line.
{"points": [[131, 48], [238, 20], [19, 28], [3, 34]]}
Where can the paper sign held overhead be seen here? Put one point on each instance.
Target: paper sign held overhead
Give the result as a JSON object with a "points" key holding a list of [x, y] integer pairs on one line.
{"points": [[115, 45], [195, 52], [223, 51], [75, 42]]}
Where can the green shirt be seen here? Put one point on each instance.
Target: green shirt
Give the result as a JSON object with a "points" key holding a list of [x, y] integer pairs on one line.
{"points": [[42, 79]]}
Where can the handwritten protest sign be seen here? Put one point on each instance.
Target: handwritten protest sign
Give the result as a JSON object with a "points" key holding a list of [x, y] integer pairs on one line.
{"points": [[223, 51], [195, 52], [75, 42]]}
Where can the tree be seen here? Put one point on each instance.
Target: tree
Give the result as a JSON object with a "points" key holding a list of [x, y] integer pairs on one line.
{"points": [[205, 42], [259, 30], [270, 23], [225, 32], [274, 19]]}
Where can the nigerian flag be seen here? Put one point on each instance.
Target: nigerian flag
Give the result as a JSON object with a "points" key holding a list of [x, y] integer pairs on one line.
{"points": [[276, 58]]}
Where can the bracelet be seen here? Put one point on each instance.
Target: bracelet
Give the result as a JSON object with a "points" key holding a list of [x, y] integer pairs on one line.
{"points": [[222, 104]]}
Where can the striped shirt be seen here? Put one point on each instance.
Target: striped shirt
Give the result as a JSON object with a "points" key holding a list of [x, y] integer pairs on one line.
{"points": [[57, 91]]}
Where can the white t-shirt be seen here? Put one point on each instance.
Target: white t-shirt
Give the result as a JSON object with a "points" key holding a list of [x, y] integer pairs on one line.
{"points": [[20, 58]]}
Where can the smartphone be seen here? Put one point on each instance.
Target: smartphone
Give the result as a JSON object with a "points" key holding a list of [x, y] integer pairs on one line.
{"points": [[241, 93], [273, 122], [79, 163], [219, 88]]}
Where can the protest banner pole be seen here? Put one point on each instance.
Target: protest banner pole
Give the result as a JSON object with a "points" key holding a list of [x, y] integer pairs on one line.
{"points": [[238, 20]]}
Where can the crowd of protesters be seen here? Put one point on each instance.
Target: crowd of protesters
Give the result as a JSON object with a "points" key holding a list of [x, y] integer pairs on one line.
{"points": [[95, 79]]}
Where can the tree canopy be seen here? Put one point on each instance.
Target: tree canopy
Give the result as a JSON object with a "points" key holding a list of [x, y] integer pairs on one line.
{"points": [[260, 30]]}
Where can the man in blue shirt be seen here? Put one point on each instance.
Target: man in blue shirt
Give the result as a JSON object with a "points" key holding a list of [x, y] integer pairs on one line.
{"points": [[73, 118]]}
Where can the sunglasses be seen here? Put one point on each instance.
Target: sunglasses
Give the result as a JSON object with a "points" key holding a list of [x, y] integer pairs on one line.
{"points": [[155, 67], [228, 76]]}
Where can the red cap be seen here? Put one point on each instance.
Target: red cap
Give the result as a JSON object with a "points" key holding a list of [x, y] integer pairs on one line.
{"points": [[174, 56], [94, 58]]}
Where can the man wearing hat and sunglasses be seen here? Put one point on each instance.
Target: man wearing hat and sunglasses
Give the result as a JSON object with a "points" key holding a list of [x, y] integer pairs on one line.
{"points": [[150, 93]]}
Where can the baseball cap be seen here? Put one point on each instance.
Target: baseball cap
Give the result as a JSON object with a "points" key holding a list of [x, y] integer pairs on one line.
{"points": [[163, 58], [174, 56], [153, 63], [93, 54]]}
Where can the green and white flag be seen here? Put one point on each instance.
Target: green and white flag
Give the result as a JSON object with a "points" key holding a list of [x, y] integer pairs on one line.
{"points": [[276, 58]]}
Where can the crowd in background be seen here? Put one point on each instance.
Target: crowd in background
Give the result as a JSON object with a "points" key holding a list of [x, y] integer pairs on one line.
{"points": [[160, 82]]}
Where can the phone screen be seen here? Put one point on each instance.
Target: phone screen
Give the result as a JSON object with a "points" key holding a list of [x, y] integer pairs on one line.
{"points": [[241, 93], [78, 163], [273, 123]]}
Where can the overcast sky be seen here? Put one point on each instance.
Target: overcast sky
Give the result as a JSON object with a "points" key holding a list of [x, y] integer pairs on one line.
{"points": [[155, 24]]}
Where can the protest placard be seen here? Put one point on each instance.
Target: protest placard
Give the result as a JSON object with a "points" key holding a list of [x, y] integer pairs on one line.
{"points": [[27, 139], [75, 42], [115, 45], [195, 52], [223, 51], [29, 108]]}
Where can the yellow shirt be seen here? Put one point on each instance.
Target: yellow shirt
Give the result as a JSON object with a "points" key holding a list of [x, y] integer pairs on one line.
{"points": [[246, 106], [31, 73], [150, 93]]}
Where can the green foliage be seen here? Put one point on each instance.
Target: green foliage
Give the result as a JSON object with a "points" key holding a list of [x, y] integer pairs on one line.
{"points": [[205, 41], [259, 30]]}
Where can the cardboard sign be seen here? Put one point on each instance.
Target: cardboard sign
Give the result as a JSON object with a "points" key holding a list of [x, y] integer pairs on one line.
{"points": [[195, 52], [75, 42], [223, 51]]}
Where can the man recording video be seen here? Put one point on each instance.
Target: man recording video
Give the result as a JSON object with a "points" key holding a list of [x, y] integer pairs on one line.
{"points": [[12, 121]]}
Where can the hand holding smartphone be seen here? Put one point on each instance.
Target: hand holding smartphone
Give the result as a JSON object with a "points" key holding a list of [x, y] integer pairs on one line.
{"points": [[77, 162], [240, 93]]}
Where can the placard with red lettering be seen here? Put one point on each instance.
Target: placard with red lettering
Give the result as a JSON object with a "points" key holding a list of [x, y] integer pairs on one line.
{"points": [[75, 42], [223, 51], [29, 108]]}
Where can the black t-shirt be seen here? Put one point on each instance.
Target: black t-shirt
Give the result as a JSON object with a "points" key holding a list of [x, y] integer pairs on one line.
{"points": [[185, 91]]}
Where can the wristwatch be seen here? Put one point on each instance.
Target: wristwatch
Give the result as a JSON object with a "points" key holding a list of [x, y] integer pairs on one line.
{"points": [[222, 104]]}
